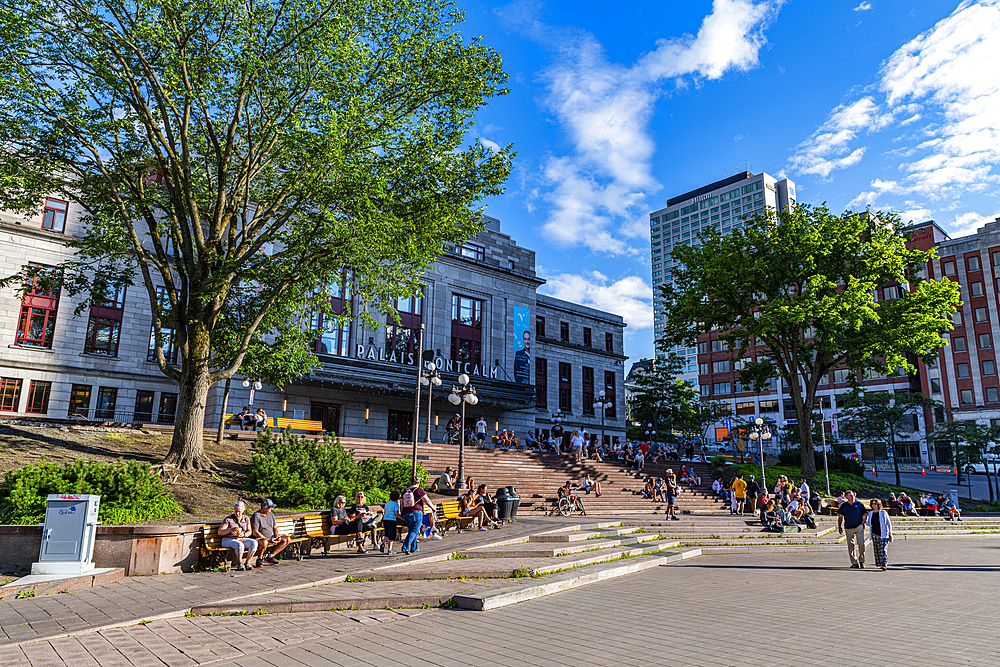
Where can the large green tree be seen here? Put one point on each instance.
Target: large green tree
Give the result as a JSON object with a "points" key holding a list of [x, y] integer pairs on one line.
{"points": [[211, 143], [662, 399], [793, 294]]}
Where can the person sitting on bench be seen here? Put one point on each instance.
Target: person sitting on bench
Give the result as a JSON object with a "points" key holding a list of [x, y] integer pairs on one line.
{"points": [[486, 501], [235, 534], [269, 542], [260, 419], [474, 511], [948, 505], [247, 419], [346, 523]]}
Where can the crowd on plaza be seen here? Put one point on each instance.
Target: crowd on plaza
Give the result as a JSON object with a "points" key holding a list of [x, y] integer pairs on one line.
{"points": [[256, 538]]}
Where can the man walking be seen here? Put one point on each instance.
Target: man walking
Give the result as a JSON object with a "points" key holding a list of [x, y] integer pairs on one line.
{"points": [[851, 517], [739, 493], [481, 431]]}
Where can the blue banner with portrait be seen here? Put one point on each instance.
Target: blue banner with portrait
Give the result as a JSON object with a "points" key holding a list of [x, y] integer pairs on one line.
{"points": [[522, 344]]}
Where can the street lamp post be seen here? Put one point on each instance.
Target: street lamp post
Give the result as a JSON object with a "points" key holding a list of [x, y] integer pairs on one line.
{"points": [[430, 378], [416, 410], [759, 433], [462, 394], [826, 465], [602, 405]]}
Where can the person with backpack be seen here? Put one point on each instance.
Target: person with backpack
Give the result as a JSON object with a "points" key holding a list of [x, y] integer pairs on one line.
{"points": [[412, 508]]}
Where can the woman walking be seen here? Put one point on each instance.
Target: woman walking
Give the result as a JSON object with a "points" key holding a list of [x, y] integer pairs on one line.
{"points": [[671, 491], [880, 528]]}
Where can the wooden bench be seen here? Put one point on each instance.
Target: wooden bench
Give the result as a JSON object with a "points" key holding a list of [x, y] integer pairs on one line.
{"points": [[281, 423], [830, 506], [211, 546], [449, 513], [319, 533], [296, 530]]}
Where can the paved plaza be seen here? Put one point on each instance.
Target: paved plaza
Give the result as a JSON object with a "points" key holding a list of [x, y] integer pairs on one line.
{"points": [[784, 609]]}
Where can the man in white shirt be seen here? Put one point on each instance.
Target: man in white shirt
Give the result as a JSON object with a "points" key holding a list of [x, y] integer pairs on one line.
{"points": [[804, 490], [481, 431]]}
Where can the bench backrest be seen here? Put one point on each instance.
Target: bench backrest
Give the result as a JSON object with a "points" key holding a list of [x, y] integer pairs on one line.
{"points": [[316, 526], [210, 536], [298, 424], [450, 509]]}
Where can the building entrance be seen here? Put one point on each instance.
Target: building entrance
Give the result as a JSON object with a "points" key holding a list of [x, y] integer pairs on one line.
{"points": [[328, 414], [400, 426]]}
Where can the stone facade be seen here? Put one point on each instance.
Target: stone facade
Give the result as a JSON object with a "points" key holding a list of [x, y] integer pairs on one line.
{"points": [[365, 386]]}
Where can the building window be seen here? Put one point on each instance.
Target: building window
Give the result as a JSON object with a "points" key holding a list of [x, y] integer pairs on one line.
{"points": [[472, 251], [956, 318], [703, 368], [588, 390], [972, 263], [768, 406], [991, 395], [588, 338], [565, 387], [840, 375], [401, 340], [745, 408], [984, 341], [966, 397], [104, 327], [989, 368], [336, 331], [979, 315], [79, 400], [10, 394], [143, 406], [107, 401], [703, 389], [958, 343], [54, 216], [466, 329], [39, 304], [720, 388], [963, 370], [166, 329], [976, 289], [719, 346], [935, 386], [564, 331], [720, 366], [949, 268], [168, 408], [702, 347], [38, 397], [541, 383], [610, 381], [539, 326]]}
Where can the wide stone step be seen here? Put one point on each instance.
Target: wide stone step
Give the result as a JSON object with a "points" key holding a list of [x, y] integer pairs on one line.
{"points": [[543, 550]]}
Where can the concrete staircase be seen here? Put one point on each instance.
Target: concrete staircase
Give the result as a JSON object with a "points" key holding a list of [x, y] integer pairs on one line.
{"points": [[537, 476], [912, 528]]}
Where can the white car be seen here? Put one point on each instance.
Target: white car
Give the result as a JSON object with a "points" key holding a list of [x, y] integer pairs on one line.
{"points": [[971, 468]]}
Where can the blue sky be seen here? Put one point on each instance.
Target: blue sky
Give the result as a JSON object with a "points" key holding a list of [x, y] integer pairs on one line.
{"points": [[617, 106]]}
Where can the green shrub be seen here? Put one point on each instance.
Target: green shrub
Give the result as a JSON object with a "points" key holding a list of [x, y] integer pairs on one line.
{"points": [[130, 491], [304, 473], [718, 461]]}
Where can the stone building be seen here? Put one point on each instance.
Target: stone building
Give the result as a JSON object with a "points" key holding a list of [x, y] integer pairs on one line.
{"points": [[476, 313]]}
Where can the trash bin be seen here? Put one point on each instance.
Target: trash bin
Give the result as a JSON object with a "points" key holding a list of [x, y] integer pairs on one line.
{"points": [[512, 494], [814, 500], [504, 504]]}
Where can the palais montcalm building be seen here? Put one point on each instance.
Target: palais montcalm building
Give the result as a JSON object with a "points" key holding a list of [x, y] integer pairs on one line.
{"points": [[530, 356]]}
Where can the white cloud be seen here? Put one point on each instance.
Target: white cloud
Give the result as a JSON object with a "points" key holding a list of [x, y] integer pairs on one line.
{"points": [[863, 7], [631, 297], [915, 214], [492, 145], [967, 223], [597, 191], [942, 78], [829, 147]]}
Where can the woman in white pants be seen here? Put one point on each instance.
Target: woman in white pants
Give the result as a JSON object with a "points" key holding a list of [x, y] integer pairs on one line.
{"points": [[235, 533]]}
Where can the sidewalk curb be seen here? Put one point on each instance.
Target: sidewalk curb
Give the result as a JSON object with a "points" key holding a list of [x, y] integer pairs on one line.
{"points": [[502, 597]]}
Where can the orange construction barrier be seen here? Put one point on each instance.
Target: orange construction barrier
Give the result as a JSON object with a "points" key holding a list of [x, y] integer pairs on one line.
{"points": [[923, 471]]}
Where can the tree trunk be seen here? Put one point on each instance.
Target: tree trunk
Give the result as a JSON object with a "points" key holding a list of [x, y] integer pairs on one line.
{"points": [[895, 461], [804, 414], [222, 413], [187, 449], [989, 482]]}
